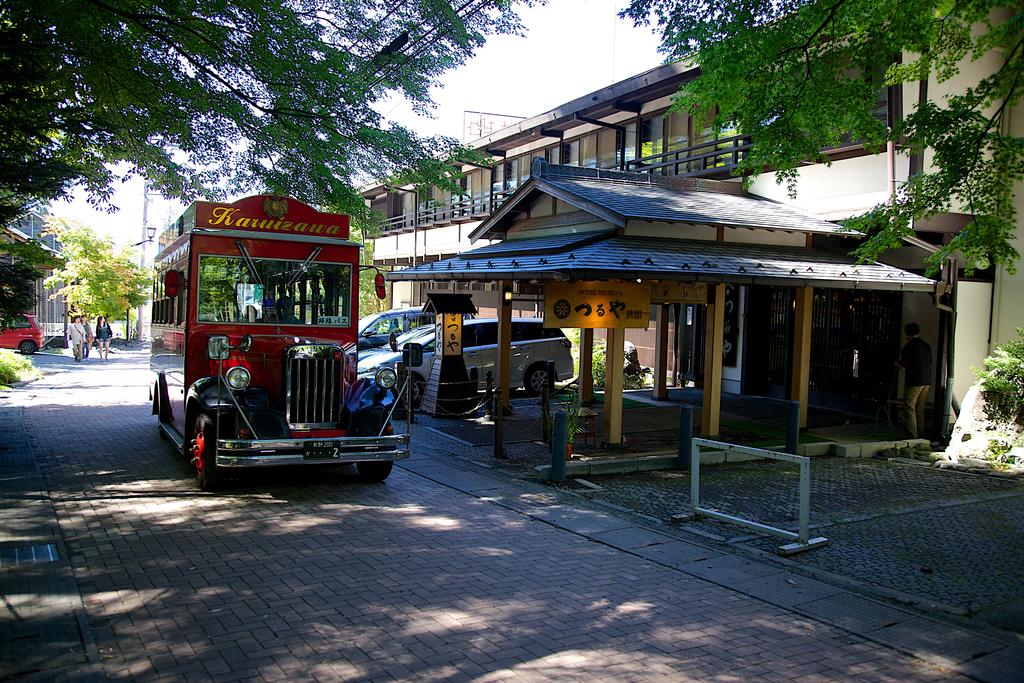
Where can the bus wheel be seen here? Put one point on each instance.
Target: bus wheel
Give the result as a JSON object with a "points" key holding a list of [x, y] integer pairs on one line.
{"points": [[374, 471], [204, 454]]}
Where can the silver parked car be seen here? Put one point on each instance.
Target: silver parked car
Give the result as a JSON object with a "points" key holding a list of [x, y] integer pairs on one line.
{"points": [[533, 346]]}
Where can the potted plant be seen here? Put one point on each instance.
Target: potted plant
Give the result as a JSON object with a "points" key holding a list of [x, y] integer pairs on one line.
{"points": [[573, 409]]}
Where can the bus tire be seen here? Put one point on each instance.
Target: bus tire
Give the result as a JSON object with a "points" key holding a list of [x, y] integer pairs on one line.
{"points": [[204, 454], [374, 471]]}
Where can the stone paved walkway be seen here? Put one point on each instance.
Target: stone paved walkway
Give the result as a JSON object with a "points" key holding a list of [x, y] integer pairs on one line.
{"points": [[441, 573], [932, 537]]}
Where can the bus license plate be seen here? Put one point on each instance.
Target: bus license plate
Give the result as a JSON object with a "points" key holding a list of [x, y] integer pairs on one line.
{"points": [[321, 450]]}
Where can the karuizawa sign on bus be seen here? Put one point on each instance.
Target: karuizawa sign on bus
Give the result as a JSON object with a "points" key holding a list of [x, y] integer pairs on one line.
{"points": [[596, 304]]}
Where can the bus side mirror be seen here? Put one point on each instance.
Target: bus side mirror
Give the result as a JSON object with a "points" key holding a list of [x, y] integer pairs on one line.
{"points": [[172, 282], [218, 347], [378, 285], [412, 355]]}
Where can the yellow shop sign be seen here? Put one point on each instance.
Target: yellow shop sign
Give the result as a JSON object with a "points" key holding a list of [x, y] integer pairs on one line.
{"points": [[596, 304], [679, 293]]}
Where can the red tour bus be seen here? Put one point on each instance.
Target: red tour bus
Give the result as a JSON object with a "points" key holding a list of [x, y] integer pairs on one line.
{"points": [[254, 343]]}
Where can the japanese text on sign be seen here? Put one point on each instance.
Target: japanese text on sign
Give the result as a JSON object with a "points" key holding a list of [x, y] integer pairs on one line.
{"points": [[596, 304], [449, 334], [679, 293]]}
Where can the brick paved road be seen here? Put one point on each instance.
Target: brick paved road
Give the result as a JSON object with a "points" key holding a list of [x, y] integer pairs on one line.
{"points": [[314, 576]]}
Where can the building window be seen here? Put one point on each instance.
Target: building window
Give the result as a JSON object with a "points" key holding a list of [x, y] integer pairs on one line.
{"points": [[630, 151], [552, 155], [510, 176], [498, 178], [571, 153], [588, 151], [608, 148]]}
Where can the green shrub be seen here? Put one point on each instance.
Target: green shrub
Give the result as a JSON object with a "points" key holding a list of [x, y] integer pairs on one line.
{"points": [[598, 363], [15, 367], [1002, 382]]}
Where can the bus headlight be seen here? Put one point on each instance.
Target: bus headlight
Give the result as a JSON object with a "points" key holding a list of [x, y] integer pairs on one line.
{"points": [[385, 378], [237, 377]]}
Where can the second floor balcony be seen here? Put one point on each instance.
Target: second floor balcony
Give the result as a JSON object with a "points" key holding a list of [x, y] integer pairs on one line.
{"points": [[716, 159]]}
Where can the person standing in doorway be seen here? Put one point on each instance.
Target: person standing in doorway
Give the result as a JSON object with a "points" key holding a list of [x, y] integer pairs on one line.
{"points": [[103, 336], [916, 362], [77, 333]]}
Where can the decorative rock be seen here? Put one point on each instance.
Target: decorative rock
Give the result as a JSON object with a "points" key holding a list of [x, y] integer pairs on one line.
{"points": [[975, 462], [969, 438]]}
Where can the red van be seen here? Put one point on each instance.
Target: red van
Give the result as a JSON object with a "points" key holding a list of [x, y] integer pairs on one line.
{"points": [[26, 335]]}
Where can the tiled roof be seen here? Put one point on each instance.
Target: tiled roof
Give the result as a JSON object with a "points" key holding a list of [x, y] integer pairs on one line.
{"points": [[628, 258], [653, 202], [618, 197]]}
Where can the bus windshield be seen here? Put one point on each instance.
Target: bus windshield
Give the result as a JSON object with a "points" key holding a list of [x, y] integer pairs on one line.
{"points": [[239, 289]]}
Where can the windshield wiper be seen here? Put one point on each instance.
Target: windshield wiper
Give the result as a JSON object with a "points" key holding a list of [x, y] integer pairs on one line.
{"points": [[249, 262], [304, 267]]}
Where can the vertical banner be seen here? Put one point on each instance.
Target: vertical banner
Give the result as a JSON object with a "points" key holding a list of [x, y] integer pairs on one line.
{"points": [[731, 336], [449, 333], [597, 304]]}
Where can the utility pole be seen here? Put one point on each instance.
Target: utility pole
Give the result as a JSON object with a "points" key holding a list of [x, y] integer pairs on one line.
{"points": [[142, 252]]}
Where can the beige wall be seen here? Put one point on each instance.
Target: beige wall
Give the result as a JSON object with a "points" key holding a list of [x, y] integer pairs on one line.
{"points": [[1008, 299], [846, 188], [972, 329]]}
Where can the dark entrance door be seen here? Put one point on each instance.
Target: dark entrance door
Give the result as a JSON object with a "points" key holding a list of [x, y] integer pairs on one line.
{"points": [[854, 341], [769, 328]]}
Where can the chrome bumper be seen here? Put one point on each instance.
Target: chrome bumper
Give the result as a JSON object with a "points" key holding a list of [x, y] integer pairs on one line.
{"points": [[276, 452]]}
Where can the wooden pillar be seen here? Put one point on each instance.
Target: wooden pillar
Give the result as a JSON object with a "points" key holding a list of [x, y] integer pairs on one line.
{"points": [[587, 366], [714, 331], [504, 359], [661, 353], [613, 375], [801, 374]]}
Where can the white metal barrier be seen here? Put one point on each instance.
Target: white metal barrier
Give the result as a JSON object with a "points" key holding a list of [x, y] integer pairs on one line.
{"points": [[799, 540]]}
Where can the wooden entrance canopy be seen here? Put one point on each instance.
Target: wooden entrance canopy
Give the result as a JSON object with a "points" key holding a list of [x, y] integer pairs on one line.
{"points": [[599, 235]]}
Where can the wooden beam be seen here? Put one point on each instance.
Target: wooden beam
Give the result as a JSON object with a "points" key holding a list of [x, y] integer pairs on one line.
{"points": [[799, 384], [661, 353], [504, 359], [613, 376], [587, 366], [710, 422]]}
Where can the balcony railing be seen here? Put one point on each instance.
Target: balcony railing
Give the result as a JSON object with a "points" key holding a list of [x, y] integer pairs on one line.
{"points": [[461, 210], [713, 158]]}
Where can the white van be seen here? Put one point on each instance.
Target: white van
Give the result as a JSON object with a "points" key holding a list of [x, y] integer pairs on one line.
{"points": [[533, 346]]}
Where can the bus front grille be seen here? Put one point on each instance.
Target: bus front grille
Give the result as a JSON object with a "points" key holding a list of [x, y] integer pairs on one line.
{"points": [[313, 386]]}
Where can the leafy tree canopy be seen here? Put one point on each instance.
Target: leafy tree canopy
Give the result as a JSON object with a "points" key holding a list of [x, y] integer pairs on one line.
{"points": [[800, 76], [224, 97], [96, 277]]}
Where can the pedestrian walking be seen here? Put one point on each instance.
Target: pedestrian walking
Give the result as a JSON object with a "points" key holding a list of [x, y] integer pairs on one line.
{"points": [[103, 336], [77, 337], [916, 361], [88, 337]]}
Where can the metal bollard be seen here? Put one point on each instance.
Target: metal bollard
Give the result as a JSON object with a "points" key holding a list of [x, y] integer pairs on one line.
{"points": [[793, 427], [558, 436], [499, 428], [545, 416], [685, 436], [489, 395]]}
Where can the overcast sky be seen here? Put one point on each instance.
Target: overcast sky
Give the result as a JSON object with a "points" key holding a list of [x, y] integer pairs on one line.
{"points": [[571, 47]]}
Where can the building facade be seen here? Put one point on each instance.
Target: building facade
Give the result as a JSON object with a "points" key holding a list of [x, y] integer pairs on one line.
{"points": [[50, 308], [629, 127]]}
